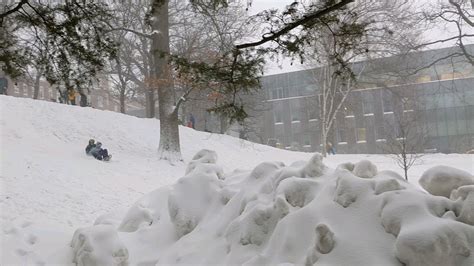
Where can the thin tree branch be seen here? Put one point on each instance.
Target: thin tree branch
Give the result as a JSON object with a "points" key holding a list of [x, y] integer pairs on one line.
{"points": [[13, 10], [294, 24], [182, 99], [141, 34], [461, 13], [442, 41]]}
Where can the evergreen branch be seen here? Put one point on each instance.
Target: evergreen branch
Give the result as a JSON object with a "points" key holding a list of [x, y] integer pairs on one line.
{"points": [[294, 24]]}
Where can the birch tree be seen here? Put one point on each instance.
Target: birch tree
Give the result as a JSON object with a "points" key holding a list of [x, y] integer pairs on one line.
{"points": [[363, 31]]}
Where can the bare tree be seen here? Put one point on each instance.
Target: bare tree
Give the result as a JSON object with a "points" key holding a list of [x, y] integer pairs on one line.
{"points": [[124, 70], [406, 138], [122, 87], [132, 71], [333, 90], [456, 13]]}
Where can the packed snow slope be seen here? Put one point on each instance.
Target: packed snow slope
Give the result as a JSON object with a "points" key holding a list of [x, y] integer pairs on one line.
{"points": [[49, 188]]}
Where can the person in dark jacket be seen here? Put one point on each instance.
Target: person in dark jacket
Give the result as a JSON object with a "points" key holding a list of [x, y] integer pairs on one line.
{"points": [[99, 153], [192, 121], [330, 149], [90, 146]]}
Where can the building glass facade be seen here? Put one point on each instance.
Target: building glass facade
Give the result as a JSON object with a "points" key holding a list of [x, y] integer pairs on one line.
{"points": [[439, 100]]}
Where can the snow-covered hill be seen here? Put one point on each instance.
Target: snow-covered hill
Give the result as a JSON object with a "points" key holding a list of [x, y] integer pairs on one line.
{"points": [[49, 187]]}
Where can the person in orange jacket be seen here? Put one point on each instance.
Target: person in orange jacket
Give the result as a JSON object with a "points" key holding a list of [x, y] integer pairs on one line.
{"points": [[72, 96]]}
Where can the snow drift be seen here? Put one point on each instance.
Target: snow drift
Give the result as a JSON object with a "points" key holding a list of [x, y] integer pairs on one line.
{"points": [[304, 213]]}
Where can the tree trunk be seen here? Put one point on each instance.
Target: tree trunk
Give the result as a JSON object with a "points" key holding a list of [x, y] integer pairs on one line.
{"points": [[83, 101], [405, 163], [324, 138], [37, 85], [122, 102], [223, 124], [169, 148], [150, 103]]}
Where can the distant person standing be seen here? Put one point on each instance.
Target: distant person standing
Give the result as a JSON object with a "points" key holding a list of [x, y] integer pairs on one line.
{"points": [[192, 121], [72, 96], [3, 86], [330, 149]]}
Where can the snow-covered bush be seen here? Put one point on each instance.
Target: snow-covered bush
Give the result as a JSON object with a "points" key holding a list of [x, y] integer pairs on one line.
{"points": [[365, 169], [441, 180], [300, 214], [98, 245]]}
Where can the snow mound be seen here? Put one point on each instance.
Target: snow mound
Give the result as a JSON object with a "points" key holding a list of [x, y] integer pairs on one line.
{"points": [[98, 245], [363, 169], [304, 213], [442, 180], [464, 197]]}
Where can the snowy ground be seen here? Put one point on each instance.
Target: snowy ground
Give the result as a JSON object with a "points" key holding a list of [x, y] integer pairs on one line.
{"points": [[49, 188]]}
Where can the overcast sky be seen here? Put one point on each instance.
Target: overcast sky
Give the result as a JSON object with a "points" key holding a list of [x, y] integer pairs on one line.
{"points": [[441, 31]]}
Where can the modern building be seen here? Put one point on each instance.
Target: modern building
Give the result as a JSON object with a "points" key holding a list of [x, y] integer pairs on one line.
{"points": [[434, 90]]}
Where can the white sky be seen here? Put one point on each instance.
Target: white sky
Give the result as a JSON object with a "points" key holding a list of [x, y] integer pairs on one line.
{"points": [[442, 31]]}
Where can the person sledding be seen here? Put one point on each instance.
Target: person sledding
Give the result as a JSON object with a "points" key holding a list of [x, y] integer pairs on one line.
{"points": [[90, 146], [98, 152]]}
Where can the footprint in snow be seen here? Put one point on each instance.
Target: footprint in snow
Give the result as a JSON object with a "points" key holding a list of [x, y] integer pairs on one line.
{"points": [[21, 252], [32, 239], [26, 224]]}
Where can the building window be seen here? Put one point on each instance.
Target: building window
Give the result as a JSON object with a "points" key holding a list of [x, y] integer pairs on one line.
{"points": [[274, 94], [278, 117], [360, 135], [277, 93], [452, 75], [380, 133], [341, 136], [348, 112], [307, 90], [307, 140], [295, 110], [311, 109], [368, 103], [387, 102], [423, 78]]}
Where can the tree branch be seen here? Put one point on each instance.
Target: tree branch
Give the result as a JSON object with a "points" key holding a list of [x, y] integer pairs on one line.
{"points": [[461, 13], [182, 99], [141, 34], [13, 10], [442, 41], [294, 24]]}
